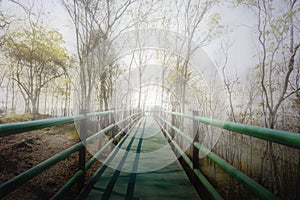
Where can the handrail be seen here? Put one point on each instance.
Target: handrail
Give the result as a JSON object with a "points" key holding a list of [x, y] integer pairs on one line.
{"points": [[17, 181], [282, 137], [258, 189], [20, 127], [101, 170], [60, 192], [238, 175], [290, 139], [196, 171]]}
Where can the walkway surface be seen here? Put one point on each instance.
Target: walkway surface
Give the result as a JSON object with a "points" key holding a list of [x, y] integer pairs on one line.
{"points": [[142, 166]]}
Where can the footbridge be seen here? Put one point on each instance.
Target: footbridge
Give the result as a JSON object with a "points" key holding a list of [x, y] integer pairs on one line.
{"points": [[142, 156]]}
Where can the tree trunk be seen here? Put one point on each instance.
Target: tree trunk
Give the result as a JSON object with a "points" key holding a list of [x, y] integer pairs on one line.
{"points": [[34, 109]]}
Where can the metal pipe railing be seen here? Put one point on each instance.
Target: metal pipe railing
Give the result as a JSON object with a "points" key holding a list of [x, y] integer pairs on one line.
{"points": [[290, 139], [71, 181], [238, 175], [17, 181], [212, 191], [20, 127], [259, 190], [14, 183], [102, 169]]}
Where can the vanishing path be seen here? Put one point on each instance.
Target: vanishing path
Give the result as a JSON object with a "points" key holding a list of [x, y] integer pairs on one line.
{"points": [[143, 166]]}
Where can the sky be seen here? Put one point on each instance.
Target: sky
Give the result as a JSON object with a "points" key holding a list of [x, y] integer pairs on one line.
{"points": [[237, 19], [240, 38]]}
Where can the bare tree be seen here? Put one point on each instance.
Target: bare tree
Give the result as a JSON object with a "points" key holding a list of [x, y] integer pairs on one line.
{"points": [[37, 57], [4, 24], [278, 46], [96, 23]]}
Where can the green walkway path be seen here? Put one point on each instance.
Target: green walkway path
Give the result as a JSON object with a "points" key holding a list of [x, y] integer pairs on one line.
{"points": [[143, 166]]}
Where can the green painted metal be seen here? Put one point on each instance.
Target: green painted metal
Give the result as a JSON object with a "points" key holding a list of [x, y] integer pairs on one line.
{"points": [[133, 175], [169, 182], [9, 129], [101, 170], [94, 158], [282, 137], [197, 172], [22, 178], [79, 173], [106, 129], [70, 182], [290, 139], [59, 193], [212, 191], [238, 175], [113, 180]]}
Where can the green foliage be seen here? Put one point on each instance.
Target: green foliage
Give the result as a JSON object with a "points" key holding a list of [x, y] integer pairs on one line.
{"points": [[4, 24], [296, 102], [246, 2], [38, 58], [37, 47], [72, 134]]}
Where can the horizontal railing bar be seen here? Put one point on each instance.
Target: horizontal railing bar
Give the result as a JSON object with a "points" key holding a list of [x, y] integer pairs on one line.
{"points": [[99, 172], [71, 181], [95, 157], [109, 189], [186, 137], [290, 139], [20, 127], [92, 137], [238, 175], [212, 191], [17, 181], [22, 178]]}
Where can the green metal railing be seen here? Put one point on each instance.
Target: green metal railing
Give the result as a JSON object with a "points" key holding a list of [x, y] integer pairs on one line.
{"points": [[282, 137], [208, 186], [9, 129], [83, 194], [20, 127], [79, 173]]}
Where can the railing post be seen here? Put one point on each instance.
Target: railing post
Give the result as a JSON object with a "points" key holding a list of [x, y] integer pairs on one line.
{"points": [[122, 113], [162, 122], [124, 116], [160, 115], [172, 132], [130, 114], [110, 122], [196, 139], [82, 152], [129, 120], [165, 117]]}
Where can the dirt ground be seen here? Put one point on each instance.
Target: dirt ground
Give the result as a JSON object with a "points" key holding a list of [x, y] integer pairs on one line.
{"points": [[21, 152]]}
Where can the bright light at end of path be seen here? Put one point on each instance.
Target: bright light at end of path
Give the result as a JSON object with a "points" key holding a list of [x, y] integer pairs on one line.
{"points": [[137, 144], [150, 96]]}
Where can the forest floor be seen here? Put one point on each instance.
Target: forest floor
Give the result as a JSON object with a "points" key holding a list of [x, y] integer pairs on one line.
{"points": [[21, 152]]}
